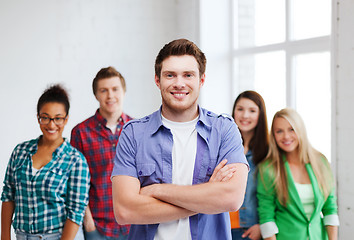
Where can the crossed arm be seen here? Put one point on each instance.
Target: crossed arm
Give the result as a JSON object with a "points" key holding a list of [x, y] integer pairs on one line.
{"points": [[166, 202]]}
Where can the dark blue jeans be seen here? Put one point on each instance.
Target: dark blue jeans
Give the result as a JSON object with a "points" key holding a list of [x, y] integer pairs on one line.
{"points": [[237, 234], [96, 235]]}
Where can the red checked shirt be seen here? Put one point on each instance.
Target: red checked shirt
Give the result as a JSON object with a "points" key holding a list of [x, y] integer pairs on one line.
{"points": [[98, 144]]}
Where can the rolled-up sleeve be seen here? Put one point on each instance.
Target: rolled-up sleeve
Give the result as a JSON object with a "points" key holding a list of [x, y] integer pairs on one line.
{"points": [[268, 229], [76, 140], [331, 220], [266, 196], [78, 188], [9, 190], [330, 210]]}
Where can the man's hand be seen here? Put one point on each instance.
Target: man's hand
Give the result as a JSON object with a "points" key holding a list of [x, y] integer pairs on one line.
{"points": [[223, 172], [253, 232], [89, 224]]}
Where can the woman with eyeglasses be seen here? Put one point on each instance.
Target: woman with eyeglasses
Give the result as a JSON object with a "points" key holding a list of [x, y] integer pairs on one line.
{"points": [[46, 184]]}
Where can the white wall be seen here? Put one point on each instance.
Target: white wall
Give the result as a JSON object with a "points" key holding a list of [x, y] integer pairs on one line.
{"points": [[343, 100], [215, 37], [45, 42]]}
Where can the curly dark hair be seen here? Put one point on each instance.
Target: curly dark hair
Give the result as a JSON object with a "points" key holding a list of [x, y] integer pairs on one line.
{"points": [[55, 93]]}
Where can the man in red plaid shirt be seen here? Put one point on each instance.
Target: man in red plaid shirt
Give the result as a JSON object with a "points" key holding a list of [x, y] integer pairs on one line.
{"points": [[96, 138]]}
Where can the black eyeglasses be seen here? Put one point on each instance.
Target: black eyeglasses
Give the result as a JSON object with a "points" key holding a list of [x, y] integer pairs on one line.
{"points": [[47, 120]]}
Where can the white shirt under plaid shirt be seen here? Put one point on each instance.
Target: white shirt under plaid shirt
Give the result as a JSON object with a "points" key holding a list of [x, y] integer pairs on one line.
{"points": [[57, 192]]}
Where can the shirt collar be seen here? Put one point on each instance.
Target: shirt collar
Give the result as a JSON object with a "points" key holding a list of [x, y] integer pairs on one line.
{"points": [[100, 119], [124, 118], [60, 150], [156, 120], [202, 116]]}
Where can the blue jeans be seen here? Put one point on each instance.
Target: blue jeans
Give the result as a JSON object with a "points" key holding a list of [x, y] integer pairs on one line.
{"points": [[237, 234], [96, 235], [80, 234], [50, 236], [28, 236]]}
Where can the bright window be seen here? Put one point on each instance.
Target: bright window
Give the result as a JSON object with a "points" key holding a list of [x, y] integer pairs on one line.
{"points": [[282, 50], [313, 101]]}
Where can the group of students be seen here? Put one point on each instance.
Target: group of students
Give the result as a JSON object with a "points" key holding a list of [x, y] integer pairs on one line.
{"points": [[290, 188], [175, 174], [51, 186]]}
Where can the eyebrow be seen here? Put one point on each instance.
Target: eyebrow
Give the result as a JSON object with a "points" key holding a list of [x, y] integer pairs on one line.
{"points": [[60, 114], [188, 71]]}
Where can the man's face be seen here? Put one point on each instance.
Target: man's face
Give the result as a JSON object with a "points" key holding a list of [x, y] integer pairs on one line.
{"points": [[179, 84], [110, 94]]}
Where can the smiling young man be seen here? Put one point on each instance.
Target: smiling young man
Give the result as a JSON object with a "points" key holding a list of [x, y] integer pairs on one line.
{"points": [[97, 138], [167, 167]]}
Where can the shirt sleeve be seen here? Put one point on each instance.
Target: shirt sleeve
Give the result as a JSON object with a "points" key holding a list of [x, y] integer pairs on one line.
{"points": [[9, 188], [330, 210], [231, 144], [268, 229], [78, 188], [124, 159], [331, 220], [75, 139], [266, 196]]}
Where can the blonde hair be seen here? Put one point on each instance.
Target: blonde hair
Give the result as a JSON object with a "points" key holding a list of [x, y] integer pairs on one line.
{"points": [[307, 154]]}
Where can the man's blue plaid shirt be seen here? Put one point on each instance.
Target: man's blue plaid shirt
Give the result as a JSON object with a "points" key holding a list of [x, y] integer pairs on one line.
{"points": [[57, 192]]}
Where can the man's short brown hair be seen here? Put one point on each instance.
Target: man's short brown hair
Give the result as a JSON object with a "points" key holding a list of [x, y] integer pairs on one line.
{"points": [[107, 72], [180, 47]]}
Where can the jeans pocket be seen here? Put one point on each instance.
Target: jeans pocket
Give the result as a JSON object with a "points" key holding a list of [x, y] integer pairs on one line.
{"points": [[20, 235], [94, 235]]}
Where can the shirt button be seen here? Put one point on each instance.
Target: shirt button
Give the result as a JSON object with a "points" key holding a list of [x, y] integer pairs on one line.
{"points": [[140, 172], [209, 169], [113, 145]]}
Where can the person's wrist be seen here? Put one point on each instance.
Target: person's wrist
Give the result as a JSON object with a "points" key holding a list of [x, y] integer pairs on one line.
{"points": [[89, 227], [157, 191]]}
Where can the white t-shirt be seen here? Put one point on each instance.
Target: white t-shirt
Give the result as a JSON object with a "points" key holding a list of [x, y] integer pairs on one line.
{"points": [[307, 198], [34, 170], [113, 128], [184, 151]]}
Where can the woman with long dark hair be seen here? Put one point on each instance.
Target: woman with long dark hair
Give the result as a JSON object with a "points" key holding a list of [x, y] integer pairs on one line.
{"points": [[250, 116]]}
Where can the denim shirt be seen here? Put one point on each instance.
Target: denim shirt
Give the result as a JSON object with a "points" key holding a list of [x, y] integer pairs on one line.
{"points": [[248, 211], [144, 151]]}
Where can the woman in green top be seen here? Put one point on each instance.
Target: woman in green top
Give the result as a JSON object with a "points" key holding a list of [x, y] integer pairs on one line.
{"points": [[295, 185]]}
